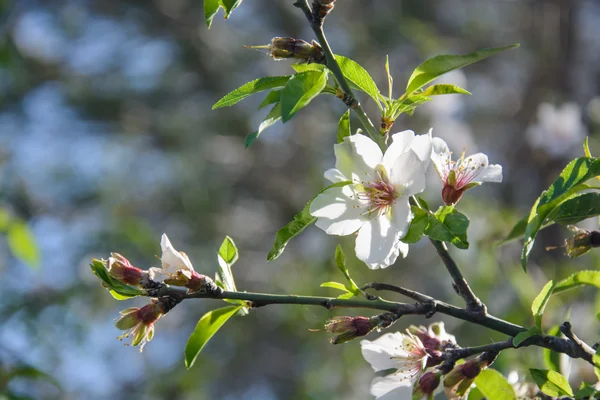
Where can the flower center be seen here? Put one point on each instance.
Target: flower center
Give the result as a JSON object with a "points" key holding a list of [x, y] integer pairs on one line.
{"points": [[380, 194], [464, 171]]}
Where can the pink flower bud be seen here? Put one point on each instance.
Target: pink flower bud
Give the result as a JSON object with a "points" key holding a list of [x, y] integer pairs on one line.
{"points": [[426, 385], [138, 323], [121, 269]]}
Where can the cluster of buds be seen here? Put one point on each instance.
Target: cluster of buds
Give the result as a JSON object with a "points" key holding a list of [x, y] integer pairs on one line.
{"points": [[320, 10], [138, 323], [287, 47], [458, 381]]}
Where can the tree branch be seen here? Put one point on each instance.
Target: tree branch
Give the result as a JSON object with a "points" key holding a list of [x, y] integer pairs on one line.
{"points": [[349, 98], [460, 283]]}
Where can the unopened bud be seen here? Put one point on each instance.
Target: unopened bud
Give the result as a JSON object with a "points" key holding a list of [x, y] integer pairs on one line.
{"points": [[287, 47], [386, 125], [450, 195], [459, 380], [348, 328], [581, 243], [426, 385], [321, 8], [121, 269]]}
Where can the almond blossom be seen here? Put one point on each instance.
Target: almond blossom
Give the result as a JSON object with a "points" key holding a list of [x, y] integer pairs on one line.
{"points": [[463, 174], [403, 352], [138, 323], [375, 203]]}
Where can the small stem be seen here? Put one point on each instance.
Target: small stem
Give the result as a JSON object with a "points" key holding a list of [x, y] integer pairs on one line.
{"points": [[422, 298], [456, 354], [351, 100], [460, 284]]}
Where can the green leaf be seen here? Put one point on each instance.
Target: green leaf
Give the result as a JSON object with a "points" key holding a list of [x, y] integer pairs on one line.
{"points": [[5, 219], [257, 85], [272, 117], [552, 358], [340, 261], [577, 279], [439, 65], [436, 90], [300, 90], [336, 285], [211, 7], [586, 147], [344, 127], [301, 220], [494, 386], [389, 77], [408, 104], [417, 226], [566, 185], [207, 326], [576, 209], [521, 337], [346, 295], [271, 98], [596, 360], [585, 391], [475, 394], [229, 6], [518, 231], [358, 77], [551, 382], [227, 256], [539, 303], [448, 225], [308, 67], [228, 251], [117, 289], [22, 243], [29, 372]]}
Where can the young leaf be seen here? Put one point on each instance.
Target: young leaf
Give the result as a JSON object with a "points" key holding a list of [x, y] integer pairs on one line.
{"points": [[417, 225], [340, 261], [300, 90], [576, 209], [493, 385], [436, 90], [591, 278], [228, 251], [207, 326], [271, 98], [566, 185], [295, 227], [309, 67], [521, 337], [22, 243], [272, 117], [586, 147], [389, 77], [439, 65], [408, 104], [257, 85], [358, 77], [229, 6], [117, 289], [344, 127], [552, 358], [539, 303], [596, 360], [551, 382], [448, 225], [336, 285], [211, 7]]}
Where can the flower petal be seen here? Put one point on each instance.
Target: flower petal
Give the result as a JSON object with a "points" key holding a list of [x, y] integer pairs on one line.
{"points": [[423, 146], [158, 274], [380, 351], [357, 156], [338, 210], [401, 143], [172, 260], [335, 175], [378, 242], [491, 173], [408, 174], [391, 387], [441, 157]]}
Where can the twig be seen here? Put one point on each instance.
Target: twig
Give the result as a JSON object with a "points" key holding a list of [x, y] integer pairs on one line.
{"points": [[349, 98], [460, 284], [453, 355], [586, 351], [422, 298]]}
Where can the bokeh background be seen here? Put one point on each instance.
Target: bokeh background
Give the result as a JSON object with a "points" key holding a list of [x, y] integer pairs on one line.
{"points": [[107, 140]]}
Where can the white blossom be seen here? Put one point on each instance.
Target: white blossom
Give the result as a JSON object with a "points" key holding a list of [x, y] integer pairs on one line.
{"points": [[175, 265], [463, 174], [403, 352], [376, 202]]}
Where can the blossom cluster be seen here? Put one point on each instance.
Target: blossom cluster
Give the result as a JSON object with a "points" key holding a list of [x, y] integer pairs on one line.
{"points": [[375, 204]]}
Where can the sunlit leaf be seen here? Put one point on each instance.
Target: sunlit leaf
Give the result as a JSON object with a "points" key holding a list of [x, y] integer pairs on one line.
{"points": [[300, 90], [22, 243], [207, 326], [417, 226], [301, 220], [448, 225], [493, 385], [551, 382], [439, 65], [565, 186], [541, 300], [576, 209], [256, 86], [335, 285], [580, 278], [272, 117], [344, 127], [340, 261], [436, 90], [229, 6], [552, 358], [271, 98], [308, 67], [211, 7], [596, 361], [358, 76], [117, 289]]}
